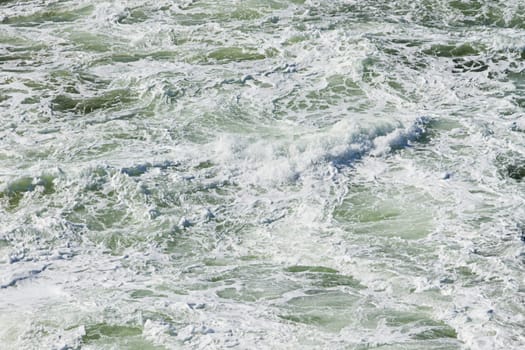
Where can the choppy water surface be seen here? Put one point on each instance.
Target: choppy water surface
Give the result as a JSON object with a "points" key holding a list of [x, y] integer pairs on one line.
{"points": [[262, 174]]}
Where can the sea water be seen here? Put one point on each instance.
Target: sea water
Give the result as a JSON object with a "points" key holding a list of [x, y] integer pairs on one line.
{"points": [[249, 174]]}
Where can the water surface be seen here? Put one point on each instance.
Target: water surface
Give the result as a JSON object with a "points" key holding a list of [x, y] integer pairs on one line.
{"points": [[262, 174]]}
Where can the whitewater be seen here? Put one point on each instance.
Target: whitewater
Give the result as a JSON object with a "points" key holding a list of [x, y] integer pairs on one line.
{"points": [[262, 174]]}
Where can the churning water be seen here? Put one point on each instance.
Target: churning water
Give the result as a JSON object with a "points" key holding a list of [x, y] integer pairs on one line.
{"points": [[262, 174]]}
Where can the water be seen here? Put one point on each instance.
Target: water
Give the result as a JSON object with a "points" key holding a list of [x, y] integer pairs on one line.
{"points": [[262, 174]]}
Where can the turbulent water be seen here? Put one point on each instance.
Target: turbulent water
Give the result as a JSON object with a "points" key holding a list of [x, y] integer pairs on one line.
{"points": [[262, 174]]}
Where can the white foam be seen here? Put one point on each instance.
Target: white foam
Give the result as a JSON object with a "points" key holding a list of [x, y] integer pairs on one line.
{"points": [[181, 215]]}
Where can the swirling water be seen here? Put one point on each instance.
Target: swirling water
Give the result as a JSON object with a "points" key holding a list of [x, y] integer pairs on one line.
{"points": [[280, 174]]}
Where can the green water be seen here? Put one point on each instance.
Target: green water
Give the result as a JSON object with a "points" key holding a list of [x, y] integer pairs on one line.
{"points": [[262, 174]]}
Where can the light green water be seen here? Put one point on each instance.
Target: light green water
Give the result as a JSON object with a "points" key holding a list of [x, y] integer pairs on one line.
{"points": [[262, 174]]}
